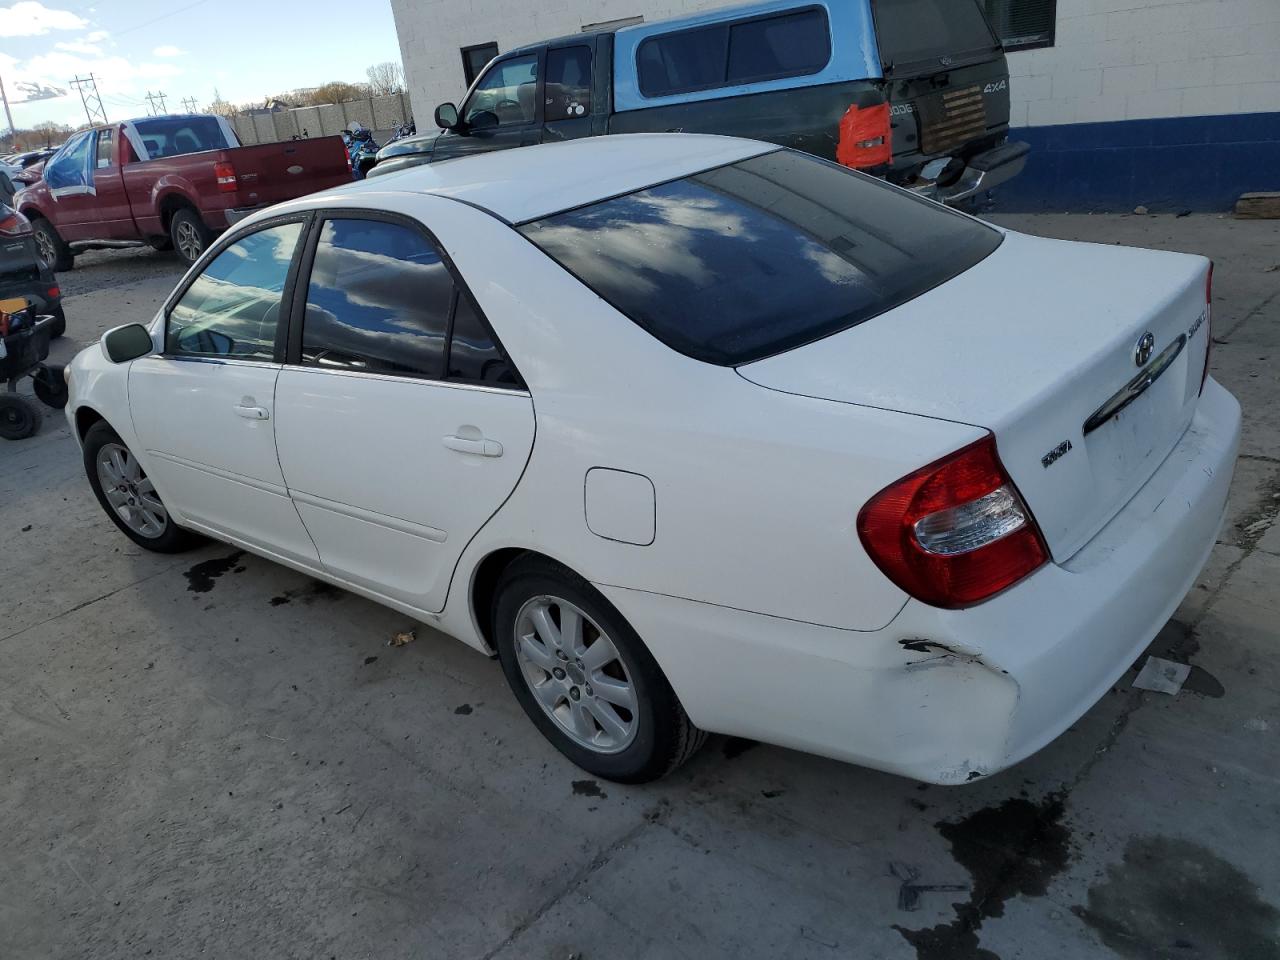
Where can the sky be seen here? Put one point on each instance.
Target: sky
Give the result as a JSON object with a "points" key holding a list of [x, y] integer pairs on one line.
{"points": [[246, 50]]}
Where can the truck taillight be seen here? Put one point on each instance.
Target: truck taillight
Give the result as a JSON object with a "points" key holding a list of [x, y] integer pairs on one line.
{"points": [[1208, 324], [953, 533], [865, 138], [12, 223], [225, 173]]}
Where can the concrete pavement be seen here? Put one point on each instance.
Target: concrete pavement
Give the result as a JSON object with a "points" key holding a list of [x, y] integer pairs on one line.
{"points": [[211, 755]]}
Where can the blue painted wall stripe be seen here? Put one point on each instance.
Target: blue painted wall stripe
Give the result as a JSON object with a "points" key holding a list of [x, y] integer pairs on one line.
{"points": [[1177, 163]]}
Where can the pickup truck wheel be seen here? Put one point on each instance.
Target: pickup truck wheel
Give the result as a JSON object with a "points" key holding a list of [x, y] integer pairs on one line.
{"points": [[190, 236], [53, 249]]}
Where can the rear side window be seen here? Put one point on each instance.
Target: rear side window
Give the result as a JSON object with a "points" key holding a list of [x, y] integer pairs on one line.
{"points": [[104, 148], [911, 31], [568, 84], [379, 301], [761, 256], [792, 44], [175, 136]]}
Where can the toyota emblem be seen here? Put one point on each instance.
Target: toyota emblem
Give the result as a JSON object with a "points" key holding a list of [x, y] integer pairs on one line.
{"points": [[1145, 348]]}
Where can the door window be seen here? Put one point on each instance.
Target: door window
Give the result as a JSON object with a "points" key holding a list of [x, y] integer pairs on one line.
{"points": [[473, 353], [379, 301], [232, 310], [69, 170], [506, 95], [104, 148], [568, 83]]}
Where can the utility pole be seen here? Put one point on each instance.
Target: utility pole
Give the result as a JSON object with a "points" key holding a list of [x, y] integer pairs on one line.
{"points": [[8, 115], [152, 98], [190, 104], [93, 108]]}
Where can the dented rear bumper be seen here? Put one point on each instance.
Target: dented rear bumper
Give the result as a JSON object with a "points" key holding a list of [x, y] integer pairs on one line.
{"points": [[947, 696]]}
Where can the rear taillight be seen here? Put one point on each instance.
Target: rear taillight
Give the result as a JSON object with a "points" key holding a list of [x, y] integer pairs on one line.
{"points": [[1208, 325], [953, 533], [13, 224], [225, 173], [865, 138]]}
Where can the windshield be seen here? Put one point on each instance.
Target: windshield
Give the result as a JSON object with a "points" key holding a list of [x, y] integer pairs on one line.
{"points": [[761, 256], [174, 136], [913, 30]]}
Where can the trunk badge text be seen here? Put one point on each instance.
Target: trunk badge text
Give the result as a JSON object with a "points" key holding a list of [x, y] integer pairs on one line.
{"points": [[1145, 348], [1056, 454]]}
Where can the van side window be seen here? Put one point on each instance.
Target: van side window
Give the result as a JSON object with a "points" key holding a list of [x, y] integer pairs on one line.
{"points": [[568, 83], [793, 44]]}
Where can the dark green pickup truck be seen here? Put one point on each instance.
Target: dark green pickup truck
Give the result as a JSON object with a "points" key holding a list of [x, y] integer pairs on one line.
{"points": [[916, 91]]}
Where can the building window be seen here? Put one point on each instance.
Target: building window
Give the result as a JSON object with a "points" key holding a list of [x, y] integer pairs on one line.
{"points": [[475, 59], [1023, 24]]}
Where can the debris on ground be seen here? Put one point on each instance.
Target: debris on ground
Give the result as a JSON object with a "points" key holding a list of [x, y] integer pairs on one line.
{"points": [[909, 892], [1162, 676], [1141, 211], [403, 637]]}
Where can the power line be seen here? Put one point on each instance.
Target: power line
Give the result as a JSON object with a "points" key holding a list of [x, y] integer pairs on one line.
{"points": [[147, 23], [93, 108], [189, 103], [152, 98]]}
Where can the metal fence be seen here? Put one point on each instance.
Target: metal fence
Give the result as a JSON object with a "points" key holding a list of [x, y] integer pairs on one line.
{"points": [[379, 114]]}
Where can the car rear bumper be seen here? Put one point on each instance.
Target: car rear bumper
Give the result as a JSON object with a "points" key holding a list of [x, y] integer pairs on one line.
{"points": [[984, 172], [947, 696]]}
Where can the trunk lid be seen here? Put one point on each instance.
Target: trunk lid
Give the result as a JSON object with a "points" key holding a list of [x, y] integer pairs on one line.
{"points": [[1031, 344]]}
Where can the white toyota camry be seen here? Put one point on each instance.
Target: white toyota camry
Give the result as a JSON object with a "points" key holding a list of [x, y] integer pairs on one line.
{"points": [[694, 434]]}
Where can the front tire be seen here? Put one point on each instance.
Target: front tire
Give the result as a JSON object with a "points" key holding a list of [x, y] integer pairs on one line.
{"points": [[53, 249], [189, 235], [128, 496], [585, 678]]}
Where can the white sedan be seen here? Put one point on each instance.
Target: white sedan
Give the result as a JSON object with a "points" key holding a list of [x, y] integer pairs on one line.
{"points": [[695, 434]]}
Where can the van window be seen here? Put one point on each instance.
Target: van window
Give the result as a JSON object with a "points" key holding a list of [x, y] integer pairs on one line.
{"points": [[793, 44], [911, 31], [760, 256]]}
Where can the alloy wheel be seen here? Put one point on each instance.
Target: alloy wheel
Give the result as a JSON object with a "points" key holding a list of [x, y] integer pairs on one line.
{"points": [[575, 674], [188, 241], [130, 492], [44, 245]]}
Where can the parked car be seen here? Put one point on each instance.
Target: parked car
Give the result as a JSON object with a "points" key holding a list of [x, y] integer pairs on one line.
{"points": [[171, 181], [27, 159], [695, 434], [916, 91], [24, 273]]}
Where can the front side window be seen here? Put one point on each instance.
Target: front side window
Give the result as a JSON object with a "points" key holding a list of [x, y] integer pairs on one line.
{"points": [[792, 44], [379, 301], [506, 95], [69, 170], [105, 141], [568, 83], [232, 310], [761, 256]]}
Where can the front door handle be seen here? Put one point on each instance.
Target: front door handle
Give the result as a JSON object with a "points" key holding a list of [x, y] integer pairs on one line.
{"points": [[477, 448], [252, 413]]}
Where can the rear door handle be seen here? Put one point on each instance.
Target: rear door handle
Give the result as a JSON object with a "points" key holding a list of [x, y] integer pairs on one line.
{"points": [[477, 448], [252, 413]]}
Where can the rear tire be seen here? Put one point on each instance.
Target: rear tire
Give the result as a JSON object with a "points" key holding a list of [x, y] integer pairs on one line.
{"points": [[52, 247], [189, 235], [635, 732], [19, 417], [134, 511]]}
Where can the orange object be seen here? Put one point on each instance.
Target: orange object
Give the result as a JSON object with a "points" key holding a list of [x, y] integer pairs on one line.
{"points": [[865, 139]]}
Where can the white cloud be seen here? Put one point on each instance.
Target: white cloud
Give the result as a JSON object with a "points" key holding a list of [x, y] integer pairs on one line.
{"points": [[97, 36], [28, 18], [167, 50], [79, 46]]}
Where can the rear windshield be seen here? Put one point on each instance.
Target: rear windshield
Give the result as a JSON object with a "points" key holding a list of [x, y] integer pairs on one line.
{"points": [[174, 136], [761, 256], [910, 31]]}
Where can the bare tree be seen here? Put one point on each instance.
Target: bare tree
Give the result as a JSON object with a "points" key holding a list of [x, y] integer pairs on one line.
{"points": [[221, 107], [386, 78]]}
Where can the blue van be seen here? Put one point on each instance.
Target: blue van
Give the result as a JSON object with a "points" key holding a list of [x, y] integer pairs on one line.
{"points": [[916, 91]]}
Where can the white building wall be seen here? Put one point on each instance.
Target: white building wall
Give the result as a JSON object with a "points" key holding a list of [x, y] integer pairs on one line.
{"points": [[1142, 59]]}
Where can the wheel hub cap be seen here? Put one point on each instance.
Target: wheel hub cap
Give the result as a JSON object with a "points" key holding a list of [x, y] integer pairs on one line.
{"points": [[576, 674], [130, 492]]}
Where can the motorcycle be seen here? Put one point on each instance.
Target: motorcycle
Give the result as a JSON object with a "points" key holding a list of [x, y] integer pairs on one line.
{"points": [[362, 150]]}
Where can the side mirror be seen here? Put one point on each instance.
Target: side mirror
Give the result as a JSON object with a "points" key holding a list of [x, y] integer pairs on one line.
{"points": [[126, 343], [446, 116]]}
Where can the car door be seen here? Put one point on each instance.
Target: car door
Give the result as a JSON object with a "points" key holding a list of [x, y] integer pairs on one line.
{"points": [[69, 175], [567, 93], [502, 110], [204, 408], [115, 218], [401, 425]]}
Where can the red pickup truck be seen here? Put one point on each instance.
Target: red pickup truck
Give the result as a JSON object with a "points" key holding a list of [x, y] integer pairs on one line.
{"points": [[170, 181]]}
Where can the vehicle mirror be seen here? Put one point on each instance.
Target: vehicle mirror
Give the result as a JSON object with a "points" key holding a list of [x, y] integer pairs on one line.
{"points": [[122, 344], [483, 120], [446, 116]]}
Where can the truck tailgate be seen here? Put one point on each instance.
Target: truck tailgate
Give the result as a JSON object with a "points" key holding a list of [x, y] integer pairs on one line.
{"points": [[273, 172]]}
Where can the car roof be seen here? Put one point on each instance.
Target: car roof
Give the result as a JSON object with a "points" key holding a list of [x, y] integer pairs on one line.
{"points": [[528, 183]]}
